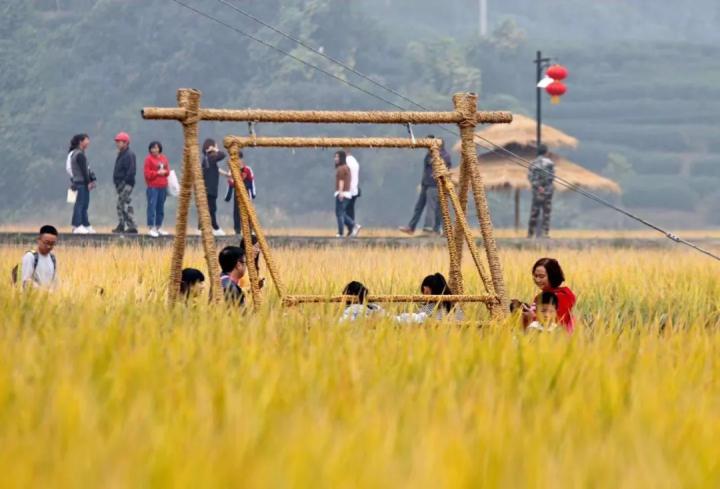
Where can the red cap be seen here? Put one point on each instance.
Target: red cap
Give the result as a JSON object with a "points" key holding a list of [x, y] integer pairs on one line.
{"points": [[123, 136]]}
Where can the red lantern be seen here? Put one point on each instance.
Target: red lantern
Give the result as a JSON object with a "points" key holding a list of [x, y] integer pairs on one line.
{"points": [[556, 90], [557, 72]]}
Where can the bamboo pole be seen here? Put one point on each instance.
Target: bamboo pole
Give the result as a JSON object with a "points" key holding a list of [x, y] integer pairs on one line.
{"points": [[255, 225], [186, 185], [443, 185], [293, 300], [325, 116], [467, 107], [307, 142], [242, 201], [442, 175], [468, 104], [191, 149]]}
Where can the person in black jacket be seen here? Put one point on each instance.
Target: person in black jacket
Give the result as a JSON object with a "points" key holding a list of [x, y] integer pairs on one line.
{"points": [[211, 174], [124, 180], [82, 180]]}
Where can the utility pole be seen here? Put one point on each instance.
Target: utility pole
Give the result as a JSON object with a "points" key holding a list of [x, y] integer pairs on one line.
{"points": [[482, 18], [541, 63]]}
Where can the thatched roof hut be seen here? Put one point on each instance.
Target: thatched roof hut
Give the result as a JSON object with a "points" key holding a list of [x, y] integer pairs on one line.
{"points": [[500, 171], [522, 131]]}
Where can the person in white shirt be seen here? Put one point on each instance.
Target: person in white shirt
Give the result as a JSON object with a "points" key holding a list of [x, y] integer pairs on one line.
{"points": [[342, 196], [39, 267], [354, 166]]}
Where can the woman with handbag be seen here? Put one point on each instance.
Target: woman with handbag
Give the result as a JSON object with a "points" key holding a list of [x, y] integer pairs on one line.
{"points": [[157, 169], [82, 182]]}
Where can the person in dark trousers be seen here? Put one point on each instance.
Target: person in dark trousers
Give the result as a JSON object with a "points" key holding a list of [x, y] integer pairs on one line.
{"points": [[124, 180], [249, 183], [232, 264], [343, 195], [82, 181], [39, 267], [542, 176], [211, 174], [354, 167], [156, 171], [428, 198]]}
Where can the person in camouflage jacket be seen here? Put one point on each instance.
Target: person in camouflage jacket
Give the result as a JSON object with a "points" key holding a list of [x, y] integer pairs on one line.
{"points": [[542, 176]]}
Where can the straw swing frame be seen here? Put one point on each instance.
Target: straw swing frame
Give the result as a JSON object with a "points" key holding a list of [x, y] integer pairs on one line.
{"points": [[466, 116]]}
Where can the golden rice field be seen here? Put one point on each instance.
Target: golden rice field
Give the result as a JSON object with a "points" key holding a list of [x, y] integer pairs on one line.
{"points": [[118, 390]]}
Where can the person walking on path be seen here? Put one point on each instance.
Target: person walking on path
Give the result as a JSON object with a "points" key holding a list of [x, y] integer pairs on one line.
{"points": [[156, 171], [354, 167], [428, 198], [343, 195], [39, 267], [82, 181], [211, 174], [124, 180], [542, 176], [249, 183]]}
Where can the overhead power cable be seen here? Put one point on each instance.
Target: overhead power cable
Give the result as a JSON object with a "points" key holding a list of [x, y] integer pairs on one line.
{"points": [[285, 53], [515, 158]]}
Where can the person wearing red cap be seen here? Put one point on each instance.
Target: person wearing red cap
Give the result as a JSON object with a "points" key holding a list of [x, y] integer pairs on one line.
{"points": [[124, 180]]}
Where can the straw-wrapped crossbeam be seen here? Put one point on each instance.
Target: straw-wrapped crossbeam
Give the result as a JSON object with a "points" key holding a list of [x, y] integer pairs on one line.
{"points": [[325, 116], [305, 142], [292, 300]]}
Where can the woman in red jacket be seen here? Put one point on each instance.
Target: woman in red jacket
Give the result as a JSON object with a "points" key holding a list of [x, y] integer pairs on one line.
{"points": [[157, 170], [549, 277]]}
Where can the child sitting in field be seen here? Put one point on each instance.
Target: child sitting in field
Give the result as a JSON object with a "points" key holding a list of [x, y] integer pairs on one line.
{"points": [[433, 285], [546, 313], [358, 307]]}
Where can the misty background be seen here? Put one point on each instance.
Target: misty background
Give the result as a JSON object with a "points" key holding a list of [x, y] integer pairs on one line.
{"points": [[643, 96]]}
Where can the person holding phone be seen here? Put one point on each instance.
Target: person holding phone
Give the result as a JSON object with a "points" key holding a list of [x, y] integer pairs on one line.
{"points": [[211, 174]]}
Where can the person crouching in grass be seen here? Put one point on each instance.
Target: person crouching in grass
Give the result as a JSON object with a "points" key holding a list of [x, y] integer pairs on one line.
{"points": [[356, 306], [192, 284], [434, 284], [232, 264]]}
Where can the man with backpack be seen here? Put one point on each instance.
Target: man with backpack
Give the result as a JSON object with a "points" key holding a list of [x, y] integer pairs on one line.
{"points": [[39, 267], [124, 180]]}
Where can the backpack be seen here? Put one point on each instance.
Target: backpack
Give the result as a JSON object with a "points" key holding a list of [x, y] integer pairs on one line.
{"points": [[15, 273], [68, 162]]}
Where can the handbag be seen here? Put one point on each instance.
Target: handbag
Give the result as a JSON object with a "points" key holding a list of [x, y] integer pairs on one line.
{"points": [[173, 184], [71, 196]]}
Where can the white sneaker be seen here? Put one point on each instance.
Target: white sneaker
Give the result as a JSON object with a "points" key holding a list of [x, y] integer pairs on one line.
{"points": [[90, 230], [338, 235], [81, 230], [153, 233], [162, 232], [218, 232], [356, 230]]}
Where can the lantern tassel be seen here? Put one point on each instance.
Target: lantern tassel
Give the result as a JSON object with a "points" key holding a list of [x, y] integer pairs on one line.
{"points": [[554, 100]]}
